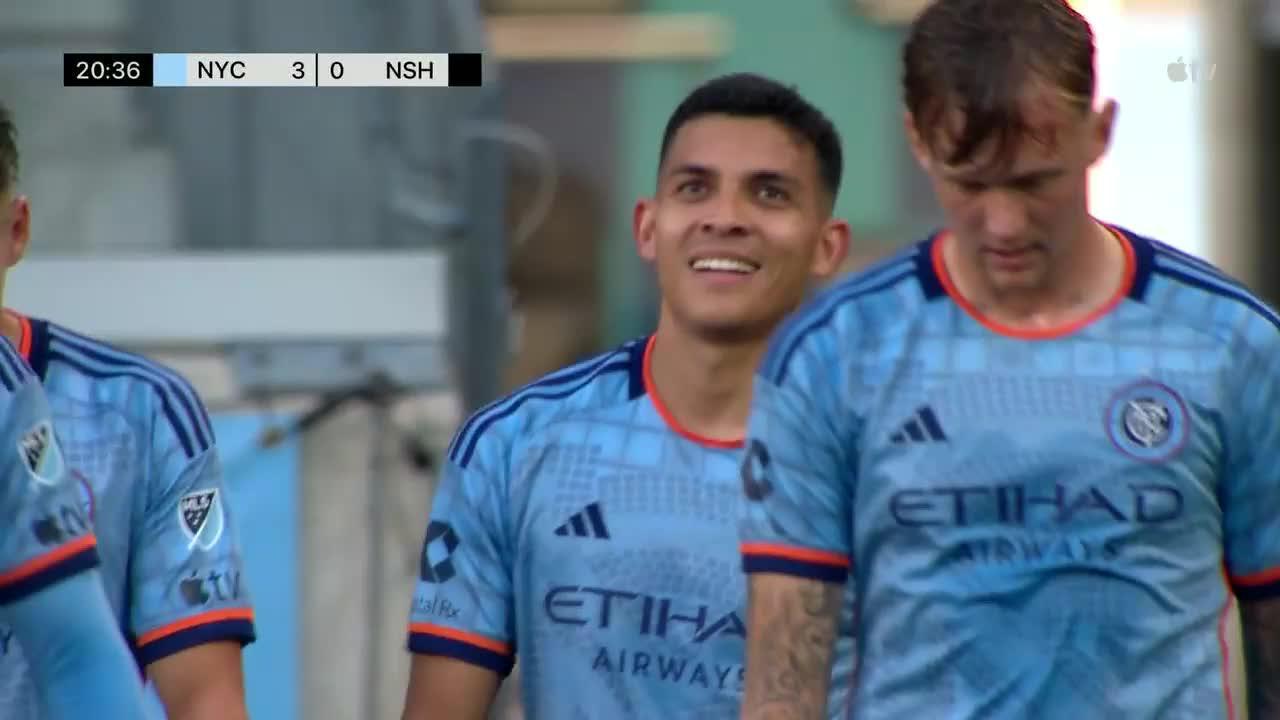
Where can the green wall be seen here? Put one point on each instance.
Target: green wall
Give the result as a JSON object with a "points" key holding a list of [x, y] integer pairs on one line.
{"points": [[846, 66]]}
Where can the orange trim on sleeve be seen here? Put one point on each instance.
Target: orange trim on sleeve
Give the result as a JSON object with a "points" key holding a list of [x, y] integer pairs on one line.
{"points": [[469, 638], [1266, 577], [48, 560], [820, 557], [187, 623]]}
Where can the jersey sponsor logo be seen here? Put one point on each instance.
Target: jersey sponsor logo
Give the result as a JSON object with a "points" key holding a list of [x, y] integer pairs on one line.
{"points": [[436, 607], [1147, 421], [641, 614], [1033, 525], [39, 451], [683, 628], [202, 587], [436, 564], [62, 523], [675, 669], [201, 518], [1023, 505], [755, 471]]}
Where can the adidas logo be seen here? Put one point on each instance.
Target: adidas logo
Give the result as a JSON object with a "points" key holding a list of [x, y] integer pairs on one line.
{"points": [[923, 427], [586, 523]]}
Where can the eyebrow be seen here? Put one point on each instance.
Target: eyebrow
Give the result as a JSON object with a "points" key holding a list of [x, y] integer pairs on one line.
{"points": [[1029, 176], [762, 175]]}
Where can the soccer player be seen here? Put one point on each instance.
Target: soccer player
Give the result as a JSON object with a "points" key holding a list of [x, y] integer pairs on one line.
{"points": [[588, 520], [140, 448], [1045, 447], [50, 590]]}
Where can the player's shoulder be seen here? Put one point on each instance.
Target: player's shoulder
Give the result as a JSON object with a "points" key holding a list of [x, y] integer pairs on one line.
{"points": [[1196, 293], [862, 303], [15, 373], [138, 386], [609, 378]]}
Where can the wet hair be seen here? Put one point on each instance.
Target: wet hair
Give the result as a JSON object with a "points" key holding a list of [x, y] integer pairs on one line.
{"points": [[748, 95], [977, 58]]}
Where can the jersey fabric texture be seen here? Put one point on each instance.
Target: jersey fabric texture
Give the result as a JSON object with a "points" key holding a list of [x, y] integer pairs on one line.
{"points": [[140, 451], [577, 523], [1042, 525], [50, 592]]}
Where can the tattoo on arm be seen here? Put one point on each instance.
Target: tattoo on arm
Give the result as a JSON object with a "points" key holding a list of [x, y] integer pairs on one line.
{"points": [[790, 641], [1260, 623]]}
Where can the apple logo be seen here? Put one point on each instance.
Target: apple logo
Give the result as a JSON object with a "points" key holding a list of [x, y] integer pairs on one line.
{"points": [[192, 590], [1177, 71], [47, 531]]}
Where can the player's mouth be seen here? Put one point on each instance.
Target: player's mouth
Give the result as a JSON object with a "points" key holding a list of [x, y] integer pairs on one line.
{"points": [[727, 264], [1011, 259]]}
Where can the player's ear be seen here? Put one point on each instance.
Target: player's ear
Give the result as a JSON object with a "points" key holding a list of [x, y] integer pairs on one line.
{"points": [[17, 232], [832, 248], [915, 141], [642, 227], [1102, 123]]}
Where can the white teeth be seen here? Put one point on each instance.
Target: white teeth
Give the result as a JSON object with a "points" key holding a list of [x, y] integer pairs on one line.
{"points": [[724, 265]]}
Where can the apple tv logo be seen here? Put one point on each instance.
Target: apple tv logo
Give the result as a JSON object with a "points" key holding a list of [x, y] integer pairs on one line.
{"points": [[1180, 71]]}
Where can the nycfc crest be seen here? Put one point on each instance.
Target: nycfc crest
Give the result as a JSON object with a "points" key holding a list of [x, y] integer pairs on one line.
{"points": [[201, 517], [1147, 421], [40, 454]]}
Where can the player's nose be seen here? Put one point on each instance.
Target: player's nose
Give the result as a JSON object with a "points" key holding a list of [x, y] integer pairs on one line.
{"points": [[1004, 215], [724, 216]]}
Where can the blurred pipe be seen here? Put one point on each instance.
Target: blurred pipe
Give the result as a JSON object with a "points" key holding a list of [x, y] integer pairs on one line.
{"points": [[546, 169], [1232, 132]]}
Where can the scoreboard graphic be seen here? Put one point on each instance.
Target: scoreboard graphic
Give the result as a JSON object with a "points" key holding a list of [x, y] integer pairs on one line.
{"points": [[272, 69]]}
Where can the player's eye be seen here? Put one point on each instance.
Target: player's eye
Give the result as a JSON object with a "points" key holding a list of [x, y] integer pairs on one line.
{"points": [[691, 188], [1028, 185], [773, 193], [970, 187]]}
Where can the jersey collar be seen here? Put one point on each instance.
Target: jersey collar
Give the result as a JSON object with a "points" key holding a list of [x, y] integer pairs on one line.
{"points": [[33, 342], [937, 283]]}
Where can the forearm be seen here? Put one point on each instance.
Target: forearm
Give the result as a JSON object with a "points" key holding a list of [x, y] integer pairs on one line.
{"points": [[203, 682], [789, 644], [77, 656], [1260, 623]]}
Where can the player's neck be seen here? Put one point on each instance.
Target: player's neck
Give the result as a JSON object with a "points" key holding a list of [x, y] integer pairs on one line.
{"points": [[1084, 281], [705, 386], [10, 327]]}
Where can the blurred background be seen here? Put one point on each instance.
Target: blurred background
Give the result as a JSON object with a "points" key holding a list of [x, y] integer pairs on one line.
{"points": [[345, 273]]}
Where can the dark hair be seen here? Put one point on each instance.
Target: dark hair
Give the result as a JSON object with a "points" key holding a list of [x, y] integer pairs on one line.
{"points": [[754, 96], [8, 151], [979, 56]]}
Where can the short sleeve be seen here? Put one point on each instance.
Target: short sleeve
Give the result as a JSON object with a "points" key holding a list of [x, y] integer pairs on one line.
{"points": [[44, 534], [463, 601], [1251, 487], [186, 575], [797, 473]]}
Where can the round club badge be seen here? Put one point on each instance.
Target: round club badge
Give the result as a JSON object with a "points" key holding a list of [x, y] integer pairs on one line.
{"points": [[1147, 421]]}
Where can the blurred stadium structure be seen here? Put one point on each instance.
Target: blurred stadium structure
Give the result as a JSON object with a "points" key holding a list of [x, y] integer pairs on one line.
{"points": [[353, 256]]}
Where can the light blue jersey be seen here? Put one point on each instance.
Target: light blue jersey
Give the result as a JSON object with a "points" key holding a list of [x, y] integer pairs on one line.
{"points": [[140, 448], [578, 524], [50, 591], [1038, 527]]}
